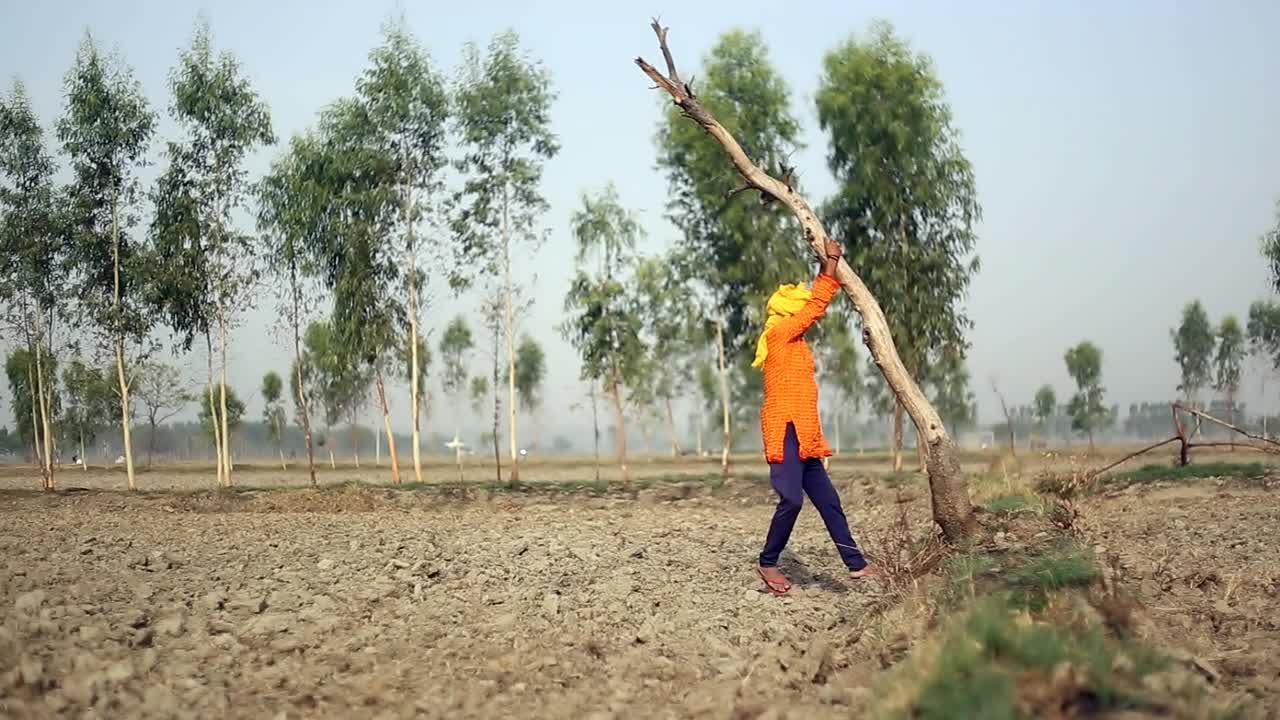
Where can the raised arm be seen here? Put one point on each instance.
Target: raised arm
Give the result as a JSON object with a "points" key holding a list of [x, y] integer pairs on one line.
{"points": [[824, 288]]}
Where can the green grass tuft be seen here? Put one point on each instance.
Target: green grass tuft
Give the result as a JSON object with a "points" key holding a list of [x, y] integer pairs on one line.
{"points": [[998, 663], [1195, 471], [1012, 504]]}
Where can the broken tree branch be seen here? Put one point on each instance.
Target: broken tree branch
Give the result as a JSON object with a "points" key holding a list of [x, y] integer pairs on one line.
{"points": [[1270, 446], [1200, 414], [952, 509]]}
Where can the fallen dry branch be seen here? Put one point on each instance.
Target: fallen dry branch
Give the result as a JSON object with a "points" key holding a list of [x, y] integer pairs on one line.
{"points": [[950, 495], [1200, 414], [1186, 446]]}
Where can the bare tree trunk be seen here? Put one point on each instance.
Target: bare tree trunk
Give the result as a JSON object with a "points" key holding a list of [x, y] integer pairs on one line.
{"points": [[949, 490], [37, 442], [353, 436], [620, 428], [41, 396], [415, 388], [897, 437], [497, 406], [302, 384], [151, 438], [727, 439], [675, 437], [511, 343], [333, 462], [213, 412], [386, 422], [126, 438], [595, 426], [222, 392]]}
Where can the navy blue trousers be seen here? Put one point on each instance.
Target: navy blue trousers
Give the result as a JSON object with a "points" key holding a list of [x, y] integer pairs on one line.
{"points": [[793, 478]]}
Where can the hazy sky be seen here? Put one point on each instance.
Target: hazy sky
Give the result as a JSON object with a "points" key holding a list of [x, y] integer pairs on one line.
{"points": [[1126, 154]]}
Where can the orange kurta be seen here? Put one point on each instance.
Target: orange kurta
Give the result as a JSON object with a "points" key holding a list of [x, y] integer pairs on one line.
{"points": [[790, 388]]}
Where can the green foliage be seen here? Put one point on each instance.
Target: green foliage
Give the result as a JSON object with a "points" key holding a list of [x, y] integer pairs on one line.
{"points": [[205, 184], [337, 381], [531, 369], [734, 251], [604, 321], [424, 358], [988, 656], [105, 132], [952, 397], [1229, 359], [273, 410], [1084, 364], [1045, 403], [839, 364], [19, 368], [906, 201], [1263, 330], [235, 409], [33, 237], [91, 403], [455, 345], [1270, 245], [1011, 504], [479, 393], [503, 114], [272, 387], [1193, 342]]}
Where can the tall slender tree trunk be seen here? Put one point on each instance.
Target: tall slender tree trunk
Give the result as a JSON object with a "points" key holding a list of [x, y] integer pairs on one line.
{"points": [[302, 384], [126, 435], [727, 438], [353, 437], [84, 464], [511, 340], [415, 388], [497, 410], [386, 423], [37, 442], [222, 392], [595, 428], [42, 398], [151, 439], [620, 427], [897, 436], [675, 436], [213, 412]]}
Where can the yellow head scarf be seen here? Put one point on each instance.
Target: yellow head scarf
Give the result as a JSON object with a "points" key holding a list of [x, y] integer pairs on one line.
{"points": [[786, 302]]}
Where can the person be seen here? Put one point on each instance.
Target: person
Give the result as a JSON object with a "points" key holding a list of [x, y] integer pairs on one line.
{"points": [[793, 443]]}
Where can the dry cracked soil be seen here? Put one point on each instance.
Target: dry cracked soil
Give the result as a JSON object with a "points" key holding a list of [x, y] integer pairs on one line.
{"points": [[360, 602]]}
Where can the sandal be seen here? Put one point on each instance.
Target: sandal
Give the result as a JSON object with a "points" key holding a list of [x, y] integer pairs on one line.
{"points": [[779, 585]]}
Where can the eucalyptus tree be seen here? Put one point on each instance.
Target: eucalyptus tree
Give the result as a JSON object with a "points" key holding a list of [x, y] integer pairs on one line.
{"points": [[223, 120], [105, 132], [503, 115]]}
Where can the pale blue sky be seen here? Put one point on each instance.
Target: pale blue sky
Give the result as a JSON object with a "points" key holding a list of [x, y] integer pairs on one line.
{"points": [[1126, 153]]}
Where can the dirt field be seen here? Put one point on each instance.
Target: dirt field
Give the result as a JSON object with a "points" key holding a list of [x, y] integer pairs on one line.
{"points": [[364, 602]]}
